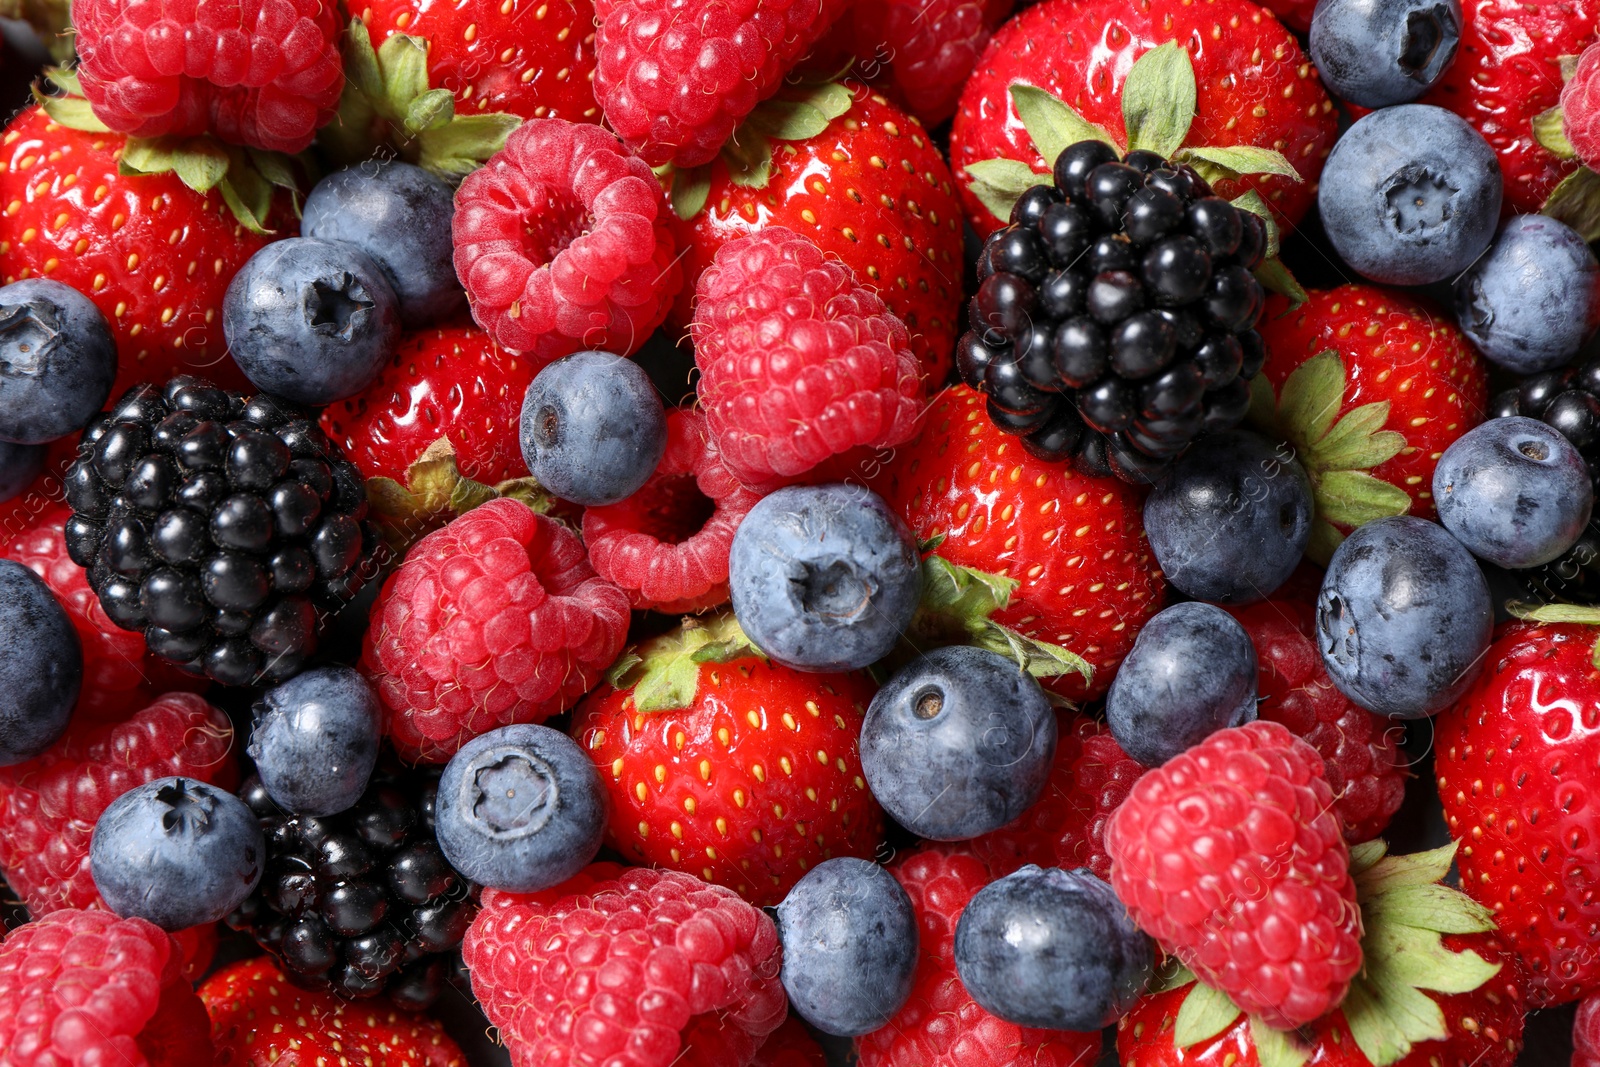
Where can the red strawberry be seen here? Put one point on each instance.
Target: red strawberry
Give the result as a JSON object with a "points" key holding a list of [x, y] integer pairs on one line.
{"points": [[1229, 856], [791, 1045], [940, 1025], [308, 1027], [1369, 386], [1074, 545], [626, 968], [1440, 988], [1515, 760], [725, 766], [1254, 87], [85, 988]]}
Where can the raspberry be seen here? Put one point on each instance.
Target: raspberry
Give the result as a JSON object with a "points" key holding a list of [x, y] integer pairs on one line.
{"points": [[940, 1025], [1066, 827], [1580, 107], [930, 47], [262, 74], [1229, 856], [791, 1045], [626, 967], [667, 545], [87, 989], [1362, 761], [496, 618], [1586, 1034], [674, 77], [562, 243], [798, 360]]}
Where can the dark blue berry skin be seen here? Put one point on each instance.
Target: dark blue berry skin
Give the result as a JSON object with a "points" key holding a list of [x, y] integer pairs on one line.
{"points": [[315, 740], [1403, 618], [1378, 53], [520, 808], [1410, 195], [400, 215], [176, 852], [824, 577], [1191, 672], [1514, 491], [1054, 949], [41, 668], [57, 361], [1231, 520], [19, 466], [957, 743], [849, 946], [593, 428], [311, 320], [1533, 300]]}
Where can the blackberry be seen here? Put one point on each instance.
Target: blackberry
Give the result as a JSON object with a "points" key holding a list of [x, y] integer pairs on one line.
{"points": [[363, 902], [219, 525], [1115, 316]]}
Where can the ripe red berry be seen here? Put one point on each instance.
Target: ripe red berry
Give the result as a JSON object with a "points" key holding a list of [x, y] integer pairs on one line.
{"points": [[1580, 107]]}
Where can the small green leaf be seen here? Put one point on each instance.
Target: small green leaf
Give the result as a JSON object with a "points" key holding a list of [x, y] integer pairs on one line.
{"points": [[1274, 1048], [829, 97], [404, 62], [1039, 658], [749, 159], [468, 494], [1355, 498], [141, 156], [456, 150], [1576, 202], [1555, 613], [429, 111], [1364, 855], [1414, 1014], [1206, 1012], [361, 62], [617, 673], [1253, 202], [1275, 278], [245, 206], [690, 189], [997, 183], [389, 498], [1376, 1033], [1550, 131], [671, 687], [1361, 445], [1568, 65], [1158, 100], [73, 112], [65, 79], [1237, 160], [1051, 123], [1311, 397], [950, 589], [1416, 868], [789, 119], [200, 164], [275, 167], [1430, 907]]}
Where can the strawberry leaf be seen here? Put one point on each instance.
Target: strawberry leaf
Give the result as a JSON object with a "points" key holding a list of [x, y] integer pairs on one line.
{"points": [[1359, 441], [1576, 202], [1355, 498], [1218, 162], [691, 189], [791, 117], [1275, 1048], [748, 155], [1364, 855], [997, 183], [1252, 202], [1275, 278], [1205, 1013], [1158, 100], [1553, 613], [1568, 65], [1311, 396], [1052, 124], [956, 606], [67, 106], [664, 672], [1550, 131], [200, 163], [461, 146]]}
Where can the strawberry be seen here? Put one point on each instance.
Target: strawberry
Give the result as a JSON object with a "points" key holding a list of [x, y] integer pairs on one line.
{"points": [[1369, 386], [791, 1045], [725, 766], [1515, 761], [1440, 988], [308, 1027]]}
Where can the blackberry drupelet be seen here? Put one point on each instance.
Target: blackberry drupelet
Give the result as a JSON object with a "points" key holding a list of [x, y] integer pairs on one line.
{"points": [[219, 525], [363, 902], [1114, 319]]}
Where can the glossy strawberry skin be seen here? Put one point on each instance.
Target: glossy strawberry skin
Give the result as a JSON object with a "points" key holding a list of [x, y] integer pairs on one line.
{"points": [[1515, 760]]}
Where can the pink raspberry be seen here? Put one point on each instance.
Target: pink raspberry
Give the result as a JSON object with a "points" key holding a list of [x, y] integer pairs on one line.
{"points": [[667, 545], [798, 360], [675, 77], [263, 73], [561, 241], [495, 619], [1580, 107]]}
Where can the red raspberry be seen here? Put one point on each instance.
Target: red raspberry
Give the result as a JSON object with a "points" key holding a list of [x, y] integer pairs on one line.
{"points": [[798, 361], [667, 545], [626, 967], [1586, 1034], [87, 989], [263, 73], [562, 243], [675, 77], [497, 618], [48, 805], [940, 1025], [1580, 107], [791, 1045], [1066, 827], [1229, 856], [1361, 759]]}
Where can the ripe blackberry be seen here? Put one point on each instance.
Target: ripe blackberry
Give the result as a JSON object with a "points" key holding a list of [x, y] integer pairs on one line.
{"points": [[362, 902], [219, 525], [1114, 319]]}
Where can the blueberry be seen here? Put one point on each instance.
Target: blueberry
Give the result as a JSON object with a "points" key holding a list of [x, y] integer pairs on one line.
{"points": [[1378, 53], [1403, 618], [520, 808], [958, 743], [311, 320], [593, 428], [399, 215], [824, 577], [849, 946], [42, 667], [315, 740], [176, 852], [1534, 299], [57, 361], [1054, 949], [1231, 520], [1410, 195], [1514, 491], [1191, 672], [19, 466]]}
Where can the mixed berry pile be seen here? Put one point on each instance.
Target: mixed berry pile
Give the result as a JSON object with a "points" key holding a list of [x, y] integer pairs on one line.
{"points": [[915, 533]]}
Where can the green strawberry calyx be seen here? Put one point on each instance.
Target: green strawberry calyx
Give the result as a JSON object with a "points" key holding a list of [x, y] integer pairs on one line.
{"points": [[435, 491], [1336, 451], [664, 672], [1158, 109], [1405, 913], [1579, 614], [1576, 198]]}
